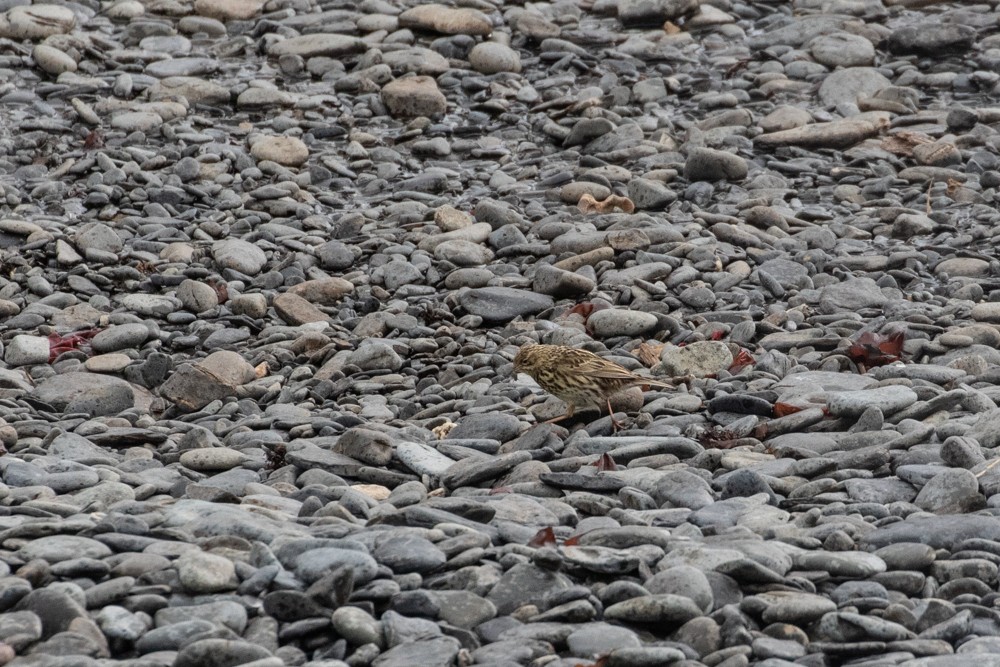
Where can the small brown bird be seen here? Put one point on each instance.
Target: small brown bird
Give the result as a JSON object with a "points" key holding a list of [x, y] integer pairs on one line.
{"points": [[580, 378]]}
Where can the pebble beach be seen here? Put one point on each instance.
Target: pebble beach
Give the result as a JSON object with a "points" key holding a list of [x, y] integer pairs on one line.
{"points": [[265, 265]]}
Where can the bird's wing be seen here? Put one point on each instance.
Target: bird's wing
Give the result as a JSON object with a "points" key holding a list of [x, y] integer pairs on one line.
{"points": [[597, 367], [612, 371], [608, 370], [600, 367]]}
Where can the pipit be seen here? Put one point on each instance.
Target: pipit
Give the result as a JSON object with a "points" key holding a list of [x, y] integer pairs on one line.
{"points": [[580, 378]]}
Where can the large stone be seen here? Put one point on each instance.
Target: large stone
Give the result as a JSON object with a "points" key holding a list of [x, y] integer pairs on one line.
{"points": [[851, 295], [699, 359], [424, 651], [447, 20], [525, 584], [940, 532], [951, 491], [228, 10], [414, 96], [219, 653], [193, 386], [317, 44], [834, 134], [191, 88], [201, 572], [372, 447], [197, 296], [493, 57], [239, 255], [36, 21], [295, 310], [850, 84], [502, 304], [92, 393], [653, 12], [58, 548], [52, 60], [932, 39], [325, 292], [286, 151], [707, 164], [842, 49], [25, 350]]}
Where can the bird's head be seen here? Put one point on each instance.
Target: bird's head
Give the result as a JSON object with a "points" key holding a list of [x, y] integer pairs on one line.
{"points": [[524, 360]]}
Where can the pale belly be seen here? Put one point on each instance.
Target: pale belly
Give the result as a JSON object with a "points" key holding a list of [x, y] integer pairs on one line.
{"points": [[578, 397]]}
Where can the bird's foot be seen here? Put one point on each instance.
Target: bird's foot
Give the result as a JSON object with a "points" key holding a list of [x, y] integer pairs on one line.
{"points": [[569, 413], [617, 425]]}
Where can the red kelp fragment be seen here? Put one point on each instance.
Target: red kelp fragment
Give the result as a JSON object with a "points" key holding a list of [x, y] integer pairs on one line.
{"points": [[221, 289], [543, 538], [742, 360], [71, 341], [93, 140], [586, 309], [872, 349], [785, 409], [605, 462]]}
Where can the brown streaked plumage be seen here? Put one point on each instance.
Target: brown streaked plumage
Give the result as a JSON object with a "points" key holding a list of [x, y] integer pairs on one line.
{"points": [[580, 378]]}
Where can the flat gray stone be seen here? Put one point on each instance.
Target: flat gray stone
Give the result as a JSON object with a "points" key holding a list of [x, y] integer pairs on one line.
{"points": [[92, 393], [502, 304]]}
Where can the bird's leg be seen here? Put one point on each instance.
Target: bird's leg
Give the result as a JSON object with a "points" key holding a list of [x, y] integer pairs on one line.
{"points": [[615, 424], [569, 413]]}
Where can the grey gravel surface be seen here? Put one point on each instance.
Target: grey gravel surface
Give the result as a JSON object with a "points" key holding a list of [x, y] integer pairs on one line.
{"points": [[264, 267]]}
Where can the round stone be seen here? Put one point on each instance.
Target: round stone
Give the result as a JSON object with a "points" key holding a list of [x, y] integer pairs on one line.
{"points": [[239, 255], [201, 572], [196, 296], [842, 49], [52, 60], [286, 151], [493, 57], [617, 322]]}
